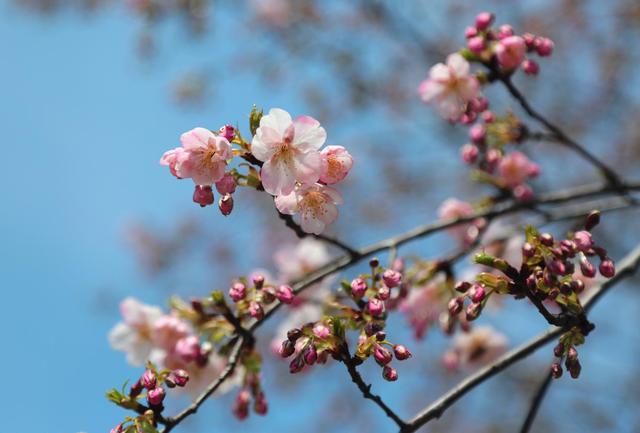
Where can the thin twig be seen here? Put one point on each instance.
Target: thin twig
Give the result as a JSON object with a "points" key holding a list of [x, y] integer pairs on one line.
{"points": [[535, 402]]}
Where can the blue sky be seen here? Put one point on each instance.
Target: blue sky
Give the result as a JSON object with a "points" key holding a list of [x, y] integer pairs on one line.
{"points": [[84, 123]]}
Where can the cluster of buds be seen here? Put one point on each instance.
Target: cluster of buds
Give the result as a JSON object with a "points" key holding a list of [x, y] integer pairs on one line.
{"points": [[475, 296], [251, 389], [375, 288], [566, 349], [252, 298], [311, 344], [502, 46], [372, 342]]}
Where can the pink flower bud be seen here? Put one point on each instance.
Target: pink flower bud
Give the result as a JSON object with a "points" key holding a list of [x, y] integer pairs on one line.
{"points": [[455, 305], [310, 355], [384, 293], [238, 292], [117, 429], [473, 311], [523, 193], [188, 348], [225, 204], [389, 373], [296, 365], [478, 294], [529, 41], [260, 405], [375, 306], [469, 153], [401, 352], [607, 268], [510, 52], [477, 133], [586, 267], [556, 370], [241, 405], [582, 240], [484, 20], [203, 195], [381, 355], [321, 331], [488, 117], [451, 360], [180, 377], [285, 294], [470, 32], [155, 396], [258, 281], [544, 46], [530, 67], [148, 379], [226, 185], [255, 310], [391, 278], [228, 132], [505, 31], [476, 44]]}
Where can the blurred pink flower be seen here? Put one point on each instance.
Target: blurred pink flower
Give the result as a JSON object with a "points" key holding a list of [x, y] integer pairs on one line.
{"points": [[515, 168], [452, 208], [423, 306], [475, 348]]}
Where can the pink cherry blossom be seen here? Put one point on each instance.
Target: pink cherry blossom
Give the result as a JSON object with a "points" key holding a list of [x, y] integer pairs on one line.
{"points": [[510, 51], [450, 87], [424, 305], [171, 158], [135, 334], [452, 208], [316, 205], [289, 150], [476, 348], [168, 330], [336, 163], [294, 261], [204, 156], [515, 168]]}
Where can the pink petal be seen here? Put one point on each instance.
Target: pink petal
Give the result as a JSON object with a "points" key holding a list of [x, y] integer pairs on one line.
{"points": [[277, 177]]}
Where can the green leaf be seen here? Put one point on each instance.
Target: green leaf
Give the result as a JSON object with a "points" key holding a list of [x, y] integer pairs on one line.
{"points": [[254, 119]]}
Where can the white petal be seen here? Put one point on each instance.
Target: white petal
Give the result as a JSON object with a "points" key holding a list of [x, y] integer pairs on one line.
{"points": [[309, 135], [277, 177], [458, 64], [277, 119]]}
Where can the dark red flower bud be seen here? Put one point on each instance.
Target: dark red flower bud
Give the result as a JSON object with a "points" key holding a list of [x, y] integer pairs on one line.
{"points": [[556, 370], [401, 352], [287, 348], [381, 355], [607, 268], [463, 286], [593, 219], [455, 305], [294, 334], [389, 373]]}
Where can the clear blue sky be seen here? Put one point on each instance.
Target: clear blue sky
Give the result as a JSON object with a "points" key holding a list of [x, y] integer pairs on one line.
{"points": [[83, 125]]}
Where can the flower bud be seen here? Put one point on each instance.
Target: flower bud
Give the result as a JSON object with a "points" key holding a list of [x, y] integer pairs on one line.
{"points": [[546, 239], [544, 46], [374, 262], [463, 286], [203, 195], [358, 287], [470, 32], [238, 292], [391, 278], [294, 334], [473, 311], [528, 250], [401, 352], [381, 355], [260, 404], [117, 429], [574, 368], [523, 193], [375, 306], [476, 44], [136, 389], [225, 204], [320, 330], [558, 350], [582, 240], [286, 349], [258, 281], [577, 286], [226, 185], [188, 348], [586, 267], [477, 133], [180, 377], [148, 379], [296, 365], [488, 117], [607, 268], [384, 293], [228, 132], [155, 396], [593, 219], [556, 370], [484, 20], [255, 310], [505, 31], [478, 294], [310, 354], [469, 153], [530, 67], [510, 51], [389, 373], [455, 305], [381, 336], [371, 328], [241, 405], [285, 294], [529, 40]]}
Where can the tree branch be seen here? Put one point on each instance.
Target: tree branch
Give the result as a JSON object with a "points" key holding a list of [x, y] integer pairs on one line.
{"points": [[535, 403]]}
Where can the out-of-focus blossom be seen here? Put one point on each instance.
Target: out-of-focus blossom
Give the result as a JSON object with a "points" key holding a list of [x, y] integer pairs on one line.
{"points": [[135, 334], [475, 348], [289, 150], [423, 306], [295, 261], [168, 330], [450, 87], [452, 208], [316, 205], [515, 168], [276, 13], [510, 51]]}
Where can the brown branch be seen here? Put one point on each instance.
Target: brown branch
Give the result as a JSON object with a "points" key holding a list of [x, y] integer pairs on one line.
{"points": [[366, 389], [626, 267], [535, 402]]}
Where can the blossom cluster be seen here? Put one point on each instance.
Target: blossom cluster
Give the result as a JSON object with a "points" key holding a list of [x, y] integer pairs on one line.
{"points": [[455, 91], [292, 166]]}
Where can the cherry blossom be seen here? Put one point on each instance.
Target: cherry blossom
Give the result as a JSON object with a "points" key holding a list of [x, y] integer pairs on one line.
{"points": [[135, 335], [423, 306], [452, 208], [316, 205], [475, 348], [336, 163], [515, 168], [294, 261], [289, 150], [450, 87], [204, 157]]}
